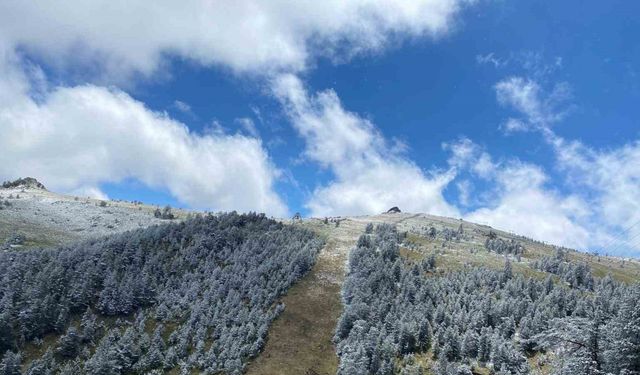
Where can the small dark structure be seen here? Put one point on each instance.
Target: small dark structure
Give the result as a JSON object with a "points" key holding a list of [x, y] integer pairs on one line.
{"points": [[394, 210]]}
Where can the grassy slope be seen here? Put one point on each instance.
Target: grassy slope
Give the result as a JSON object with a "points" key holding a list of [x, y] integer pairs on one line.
{"points": [[300, 340], [470, 250]]}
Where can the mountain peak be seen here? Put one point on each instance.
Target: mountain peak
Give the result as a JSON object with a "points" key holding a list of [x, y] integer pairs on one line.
{"points": [[394, 210], [26, 182]]}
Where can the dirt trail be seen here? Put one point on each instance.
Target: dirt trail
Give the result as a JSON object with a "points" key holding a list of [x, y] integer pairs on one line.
{"points": [[300, 340]]}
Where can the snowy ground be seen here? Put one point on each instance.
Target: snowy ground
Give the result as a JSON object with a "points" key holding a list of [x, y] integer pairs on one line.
{"points": [[45, 218]]}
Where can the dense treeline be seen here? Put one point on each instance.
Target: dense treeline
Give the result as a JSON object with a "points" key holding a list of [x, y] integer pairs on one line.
{"points": [[195, 295], [501, 246], [400, 318], [577, 274]]}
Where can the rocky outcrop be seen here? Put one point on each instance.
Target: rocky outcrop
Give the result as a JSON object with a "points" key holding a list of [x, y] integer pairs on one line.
{"points": [[394, 210], [27, 182]]}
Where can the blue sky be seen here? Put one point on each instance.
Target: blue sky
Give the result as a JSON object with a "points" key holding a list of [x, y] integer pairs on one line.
{"points": [[518, 114]]}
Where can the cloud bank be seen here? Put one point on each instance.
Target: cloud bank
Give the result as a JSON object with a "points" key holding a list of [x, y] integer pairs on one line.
{"points": [[124, 37], [78, 137], [606, 202]]}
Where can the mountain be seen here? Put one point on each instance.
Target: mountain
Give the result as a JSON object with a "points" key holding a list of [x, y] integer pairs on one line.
{"points": [[417, 270]]}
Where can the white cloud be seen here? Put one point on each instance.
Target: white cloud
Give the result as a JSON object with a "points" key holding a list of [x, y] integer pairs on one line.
{"points": [[537, 65], [465, 154], [540, 109], [370, 175], [606, 183], [514, 125], [612, 179], [533, 62], [122, 37], [248, 126], [464, 192], [514, 196], [463, 151], [89, 191], [484, 166], [521, 94], [183, 107], [522, 204], [78, 137], [491, 58], [98, 134]]}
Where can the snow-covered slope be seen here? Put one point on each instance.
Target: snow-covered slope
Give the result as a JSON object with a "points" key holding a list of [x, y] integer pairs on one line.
{"points": [[44, 218]]}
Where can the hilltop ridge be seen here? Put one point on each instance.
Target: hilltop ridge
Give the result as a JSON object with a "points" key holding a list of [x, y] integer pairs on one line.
{"points": [[45, 218], [26, 182]]}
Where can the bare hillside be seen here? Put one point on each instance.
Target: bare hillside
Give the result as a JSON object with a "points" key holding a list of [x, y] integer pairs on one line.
{"points": [[39, 218]]}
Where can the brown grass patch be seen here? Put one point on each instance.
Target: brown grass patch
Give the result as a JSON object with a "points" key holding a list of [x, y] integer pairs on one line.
{"points": [[300, 340]]}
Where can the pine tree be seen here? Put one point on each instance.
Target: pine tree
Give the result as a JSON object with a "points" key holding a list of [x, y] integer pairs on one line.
{"points": [[369, 228], [6, 330], [451, 348], [88, 326], [69, 344], [216, 278], [155, 357], [71, 368], [107, 359], [45, 365], [432, 233], [354, 363], [507, 272], [10, 364], [470, 344], [484, 345], [407, 339], [581, 338], [424, 335], [623, 352]]}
